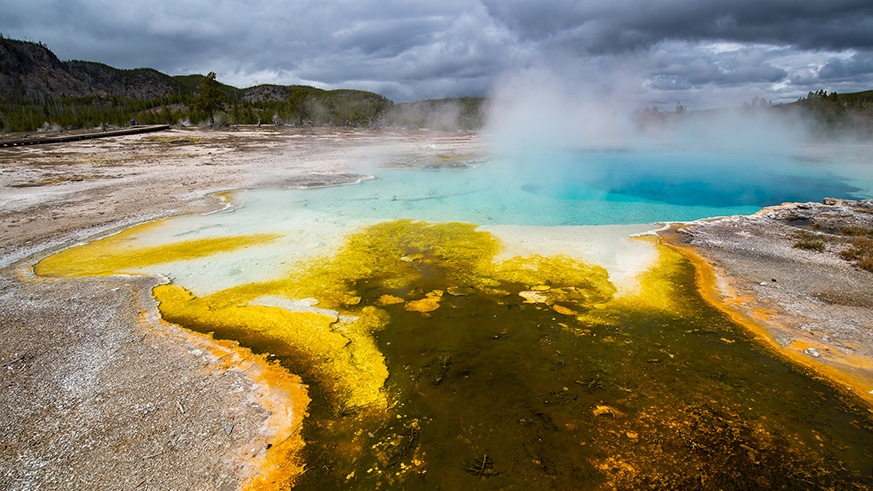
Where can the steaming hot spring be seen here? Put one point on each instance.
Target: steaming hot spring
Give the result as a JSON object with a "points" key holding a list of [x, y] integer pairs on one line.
{"points": [[507, 323]]}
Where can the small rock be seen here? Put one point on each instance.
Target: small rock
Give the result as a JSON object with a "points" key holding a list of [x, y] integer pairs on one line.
{"points": [[604, 410], [812, 352]]}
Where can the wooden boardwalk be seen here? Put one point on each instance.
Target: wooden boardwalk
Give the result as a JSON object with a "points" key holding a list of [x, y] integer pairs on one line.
{"points": [[83, 136]]}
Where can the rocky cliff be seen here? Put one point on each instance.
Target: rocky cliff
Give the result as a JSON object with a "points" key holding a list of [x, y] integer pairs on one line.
{"points": [[32, 71]]}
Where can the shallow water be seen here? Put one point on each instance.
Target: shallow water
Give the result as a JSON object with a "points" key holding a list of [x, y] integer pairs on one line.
{"points": [[438, 361]]}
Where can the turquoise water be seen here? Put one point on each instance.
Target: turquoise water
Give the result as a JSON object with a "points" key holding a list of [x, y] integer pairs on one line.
{"points": [[580, 188]]}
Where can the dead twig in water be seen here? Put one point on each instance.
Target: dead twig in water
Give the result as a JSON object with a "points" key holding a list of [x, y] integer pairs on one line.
{"points": [[483, 468], [329, 447]]}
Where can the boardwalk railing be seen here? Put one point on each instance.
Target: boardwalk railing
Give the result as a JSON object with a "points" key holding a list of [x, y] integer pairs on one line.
{"points": [[83, 136]]}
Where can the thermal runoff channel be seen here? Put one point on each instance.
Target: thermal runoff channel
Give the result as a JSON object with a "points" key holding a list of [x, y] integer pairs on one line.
{"points": [[508, 323]]}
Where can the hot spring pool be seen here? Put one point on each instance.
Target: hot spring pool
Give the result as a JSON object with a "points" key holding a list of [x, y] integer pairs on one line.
{"points": [[585, 188], [508, 324]]}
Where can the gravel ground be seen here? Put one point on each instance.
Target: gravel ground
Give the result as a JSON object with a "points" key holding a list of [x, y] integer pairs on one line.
{"points": [[96, 395], [814, 306]]}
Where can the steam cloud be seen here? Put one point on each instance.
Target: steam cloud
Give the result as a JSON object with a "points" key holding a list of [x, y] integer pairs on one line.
{"points": [[543, 109]]}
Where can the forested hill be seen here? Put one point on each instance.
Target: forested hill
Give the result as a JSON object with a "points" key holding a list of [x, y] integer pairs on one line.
{"points": [[37, 90], [849, 114]]}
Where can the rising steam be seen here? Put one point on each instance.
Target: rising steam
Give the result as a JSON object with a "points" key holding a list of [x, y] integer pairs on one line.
{"points": [[540, 108]]}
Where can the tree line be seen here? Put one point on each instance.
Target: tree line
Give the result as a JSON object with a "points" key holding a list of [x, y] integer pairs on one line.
{"points": [[37, 90], [836, 114], [304, 106]]}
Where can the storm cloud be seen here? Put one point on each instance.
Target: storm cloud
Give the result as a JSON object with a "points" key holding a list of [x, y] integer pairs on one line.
{"points": [[703, 53]]}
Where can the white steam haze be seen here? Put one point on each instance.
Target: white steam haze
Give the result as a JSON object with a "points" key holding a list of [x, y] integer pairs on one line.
{"points": [[434, 115], [537, 116], [544, 108]]}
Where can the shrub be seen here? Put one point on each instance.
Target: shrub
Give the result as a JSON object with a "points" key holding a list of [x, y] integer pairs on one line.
{"points": [[862, 252], [853, 231], [810, 245], [866, 263]]}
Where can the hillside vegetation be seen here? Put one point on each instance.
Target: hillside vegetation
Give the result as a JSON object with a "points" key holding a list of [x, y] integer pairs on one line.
{"points": [[823, 115], [836, 114], [38, 91]]}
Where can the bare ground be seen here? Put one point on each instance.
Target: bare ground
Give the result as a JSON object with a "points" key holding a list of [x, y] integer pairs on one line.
{"points": [[811, 305], [96, 393]]}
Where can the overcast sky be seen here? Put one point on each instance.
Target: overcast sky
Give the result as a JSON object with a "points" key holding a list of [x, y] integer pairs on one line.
{"points": [[704, 53]]}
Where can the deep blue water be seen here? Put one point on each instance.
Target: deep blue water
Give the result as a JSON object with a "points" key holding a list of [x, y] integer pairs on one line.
{"points": [[688, 179]]}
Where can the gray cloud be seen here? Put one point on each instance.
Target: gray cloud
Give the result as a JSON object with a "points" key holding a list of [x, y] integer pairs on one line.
{"points": [[679, 68], [620, 25], [860, 64], [704, 52]]}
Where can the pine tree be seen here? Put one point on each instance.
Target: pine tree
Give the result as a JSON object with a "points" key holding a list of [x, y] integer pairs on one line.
{"points": [[209, 97]]}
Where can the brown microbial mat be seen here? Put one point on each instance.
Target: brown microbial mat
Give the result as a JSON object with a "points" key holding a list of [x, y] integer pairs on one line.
{"points": [[434, 364]]}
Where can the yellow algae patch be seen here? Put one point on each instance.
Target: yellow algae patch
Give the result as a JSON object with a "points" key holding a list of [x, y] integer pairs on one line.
{"points": [[393, 255], [563, 310], [377, 267], [119, 254], [385, 300], [342, 354], [429, 303], [548, 273], [660, 290], [659, 286]]}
